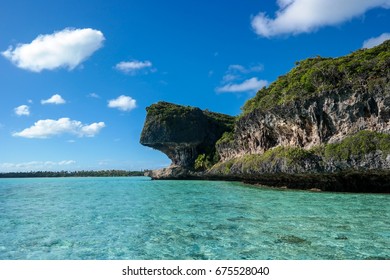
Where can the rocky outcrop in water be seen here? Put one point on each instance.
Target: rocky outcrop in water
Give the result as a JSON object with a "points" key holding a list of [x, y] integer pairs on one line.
{"points": [[182, 133], [325, 124]]}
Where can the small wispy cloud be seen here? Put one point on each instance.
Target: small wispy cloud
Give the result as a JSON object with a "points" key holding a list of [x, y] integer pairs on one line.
{"points": [[375, 41], [93, 95], [49, 128], [134, 66], [34, 165], [236, 79], [249, 85], [67, 48], [123, 103], [246, 70], [55, 99], [22, 110], [237, 71]]}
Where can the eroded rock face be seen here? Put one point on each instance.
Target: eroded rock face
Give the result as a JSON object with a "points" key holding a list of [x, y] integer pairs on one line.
{"points": [[183, 132], [309, 123]]}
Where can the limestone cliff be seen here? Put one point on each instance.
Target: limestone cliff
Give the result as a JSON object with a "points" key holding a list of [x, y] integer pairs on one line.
{"points": [[183, 133], [325, 124], [308, 123]]}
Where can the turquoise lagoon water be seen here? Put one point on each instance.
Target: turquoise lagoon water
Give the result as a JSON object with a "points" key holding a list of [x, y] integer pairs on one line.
{"points": [[136, 218]]}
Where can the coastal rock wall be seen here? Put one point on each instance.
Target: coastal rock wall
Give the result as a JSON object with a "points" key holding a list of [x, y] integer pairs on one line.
{"points": [[312, 122]]}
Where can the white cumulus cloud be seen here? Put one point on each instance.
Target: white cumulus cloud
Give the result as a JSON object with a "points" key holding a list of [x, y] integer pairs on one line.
{"points": [[134, 66], [249, 85], [22, 110], [302, 16], [55, 99], [123, 103], [67, 48], [373, 42], [48, 128]]}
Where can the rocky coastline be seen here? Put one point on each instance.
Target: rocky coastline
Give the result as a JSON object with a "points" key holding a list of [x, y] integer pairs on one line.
{"points": [[325, 126]]}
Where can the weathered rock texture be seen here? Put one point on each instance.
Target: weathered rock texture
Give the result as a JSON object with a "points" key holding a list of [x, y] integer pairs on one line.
{"points": [[312, 122], [183, 132]]}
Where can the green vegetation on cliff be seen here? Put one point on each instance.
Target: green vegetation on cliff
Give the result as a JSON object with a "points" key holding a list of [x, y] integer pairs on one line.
{"points": [[315, 76], [273, 157], [350, 148], [205, 161], [292, 155], [164, 111], [226, 137], [358, 145]]}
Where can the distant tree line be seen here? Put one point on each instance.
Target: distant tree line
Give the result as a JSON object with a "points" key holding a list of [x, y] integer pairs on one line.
{"points": [[82, 173]]}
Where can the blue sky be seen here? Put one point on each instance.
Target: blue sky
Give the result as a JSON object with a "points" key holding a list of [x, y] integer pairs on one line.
{"points": [[76, 76]]}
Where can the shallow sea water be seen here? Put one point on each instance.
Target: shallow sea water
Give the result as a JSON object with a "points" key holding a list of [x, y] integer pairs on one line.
{"points": [[137, 218]]}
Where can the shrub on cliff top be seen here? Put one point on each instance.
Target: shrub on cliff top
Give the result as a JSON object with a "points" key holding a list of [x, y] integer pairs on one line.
{"points": [[168, 111], [164, 110], [319, 75]]}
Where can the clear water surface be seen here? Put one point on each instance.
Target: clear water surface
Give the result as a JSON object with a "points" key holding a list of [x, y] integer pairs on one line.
{"points": [[136, 218]]}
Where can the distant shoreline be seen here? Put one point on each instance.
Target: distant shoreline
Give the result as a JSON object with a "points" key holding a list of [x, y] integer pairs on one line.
{"points": [[64, 174]]}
